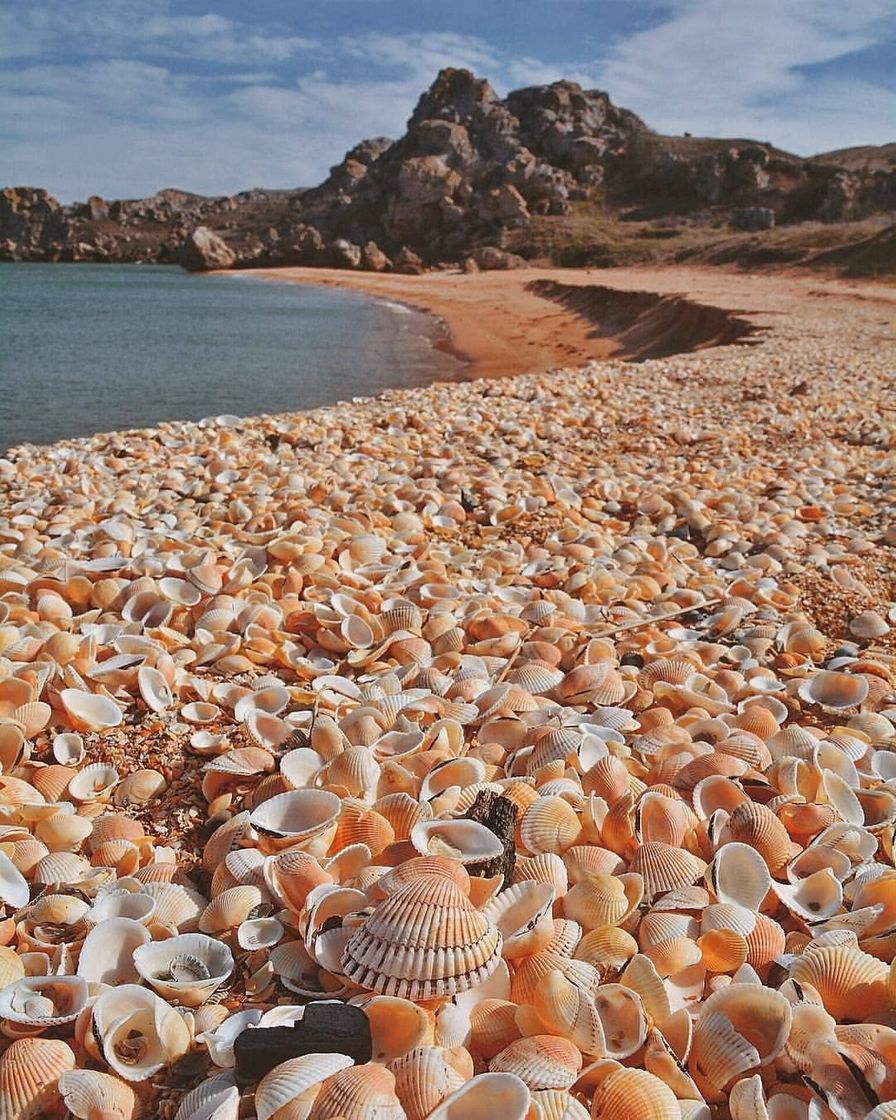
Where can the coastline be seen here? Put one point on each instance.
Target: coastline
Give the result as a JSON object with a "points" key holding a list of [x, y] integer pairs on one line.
{"points": [[498, 326]]}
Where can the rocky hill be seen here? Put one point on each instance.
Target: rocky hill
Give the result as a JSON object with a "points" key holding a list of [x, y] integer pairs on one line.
{"points": [[550, 173]]}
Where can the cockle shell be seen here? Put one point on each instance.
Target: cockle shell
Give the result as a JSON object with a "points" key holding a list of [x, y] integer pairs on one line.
{"points": [[566, 1010], [851, 984], [216, 1098], [91, 1095], [633, 1094], [423, 942], [523, 915], [357, 1093], [740, 1027], [424, 1077], [90, 711], [463, 840], [603, 900], [304, 817], [294, 1078], [834, 690], [30, 1070], [43, 1001], [486, 1096], [541, 1061]]}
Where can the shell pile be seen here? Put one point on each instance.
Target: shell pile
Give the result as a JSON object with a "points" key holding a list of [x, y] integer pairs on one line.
{"points": [[255, 674]]}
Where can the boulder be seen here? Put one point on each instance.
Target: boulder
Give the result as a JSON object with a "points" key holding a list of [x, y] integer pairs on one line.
{"points": [[204, 250], [344, 254], [408, 263], [492, 259], [374, 259], [753, 217]]}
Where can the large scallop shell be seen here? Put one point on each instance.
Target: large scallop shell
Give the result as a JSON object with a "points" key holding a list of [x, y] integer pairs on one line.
{"points": [[423, 942], [664, 868], [29, 1076]]}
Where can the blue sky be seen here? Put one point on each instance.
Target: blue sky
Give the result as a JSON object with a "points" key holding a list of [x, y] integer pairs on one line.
{"points": [[124, 97]]}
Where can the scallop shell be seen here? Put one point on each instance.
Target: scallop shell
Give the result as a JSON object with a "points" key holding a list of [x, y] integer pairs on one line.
{"points": [[557, 1104], [603, 900], [94, 783], [623, 1019], [291, 875], [424, 1077], [566, 1010], [423, 942], [664, 868], [633, 1094], [756, 826], [89, 1095], [357, 1093], [851, 984], [293, 1078], [834, 690], [302, 817], [230, 909], [68, 749], [541, 1061], [740, 1027], [30, 1070], [550, 824]]}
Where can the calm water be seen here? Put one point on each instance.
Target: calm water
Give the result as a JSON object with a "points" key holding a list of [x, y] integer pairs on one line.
{"points": [[90, 348]]}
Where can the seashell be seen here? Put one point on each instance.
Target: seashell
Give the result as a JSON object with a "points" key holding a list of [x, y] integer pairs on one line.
{"points": [[739, 875], [293, 1079], [603, 900], [740, 1027], [185, 969], [139, 1033], [359, 824], [13, 885], [834, 690], [557, 1104], [723, 950], [851, 984], [541, 1061], [424, 1077], [423, 942], [566, 1010], [305, 817], [550, 824], [94, 783], [522, 913], [485, 1096], [358, 1092], [664, 868], [868, 625], [30, 1070], [108, 953], [466, 841], [606, 947], [90, 1095], [68, 749], [631, 1094], [230, 908], [402, 812], [757, 826], [259, 933], [154, 689], [52, 781], [815, 898], [177, 907], [43, 1001], [623, 1020], [492, 1027], [89, 711]]}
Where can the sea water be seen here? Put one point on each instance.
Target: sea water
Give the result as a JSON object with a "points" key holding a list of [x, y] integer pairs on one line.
{"points": [[91, 348]]}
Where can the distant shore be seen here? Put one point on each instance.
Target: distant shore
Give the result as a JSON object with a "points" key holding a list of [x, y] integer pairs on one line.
{"points": [[500, 326]]}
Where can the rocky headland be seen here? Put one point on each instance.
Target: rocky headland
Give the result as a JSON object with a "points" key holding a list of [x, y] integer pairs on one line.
{"points": [[551, 174]]}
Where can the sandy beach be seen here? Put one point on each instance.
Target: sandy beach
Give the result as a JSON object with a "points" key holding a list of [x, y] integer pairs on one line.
{"points": [[638, 617], [501, 327]]}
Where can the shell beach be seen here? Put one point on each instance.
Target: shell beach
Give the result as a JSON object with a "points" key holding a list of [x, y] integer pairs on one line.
{"points": [[257, 675]]}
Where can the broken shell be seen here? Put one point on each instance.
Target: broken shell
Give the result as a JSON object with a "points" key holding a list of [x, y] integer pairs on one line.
{"points": [[139, 1032], [185, 969]]}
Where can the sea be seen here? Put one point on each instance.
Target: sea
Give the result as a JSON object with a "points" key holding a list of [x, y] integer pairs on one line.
{"points": [[90, 348]]}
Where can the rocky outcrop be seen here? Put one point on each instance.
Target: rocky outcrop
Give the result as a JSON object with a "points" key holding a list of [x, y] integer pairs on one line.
{"points": [[204, 250], [491, 259], [473, 172]]}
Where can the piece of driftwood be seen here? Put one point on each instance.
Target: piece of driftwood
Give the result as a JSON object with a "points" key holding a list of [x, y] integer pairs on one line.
{"points": [[325, 1028], [498, 814]]}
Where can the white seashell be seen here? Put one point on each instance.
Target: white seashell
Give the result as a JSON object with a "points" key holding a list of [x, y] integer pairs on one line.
{"points": [[113, 903], [259, 933], [90, 710], [154, 689], [186, 969], [43, 1001], [68, 749], [138, 1031], [91, 1095], [216, 1098], [463, 840], [200, 712], [292, 1078], [219, 1042], [489, 1096], [14, 889], [94, 783], [107, 955]]}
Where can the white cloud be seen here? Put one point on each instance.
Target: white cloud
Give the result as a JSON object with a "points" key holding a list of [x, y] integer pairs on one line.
{"points": [[736, 69], [123, 97]]}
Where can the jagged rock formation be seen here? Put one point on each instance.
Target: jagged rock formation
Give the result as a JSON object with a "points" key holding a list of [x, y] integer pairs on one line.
{"points": [[204, 250], [473, 179]]}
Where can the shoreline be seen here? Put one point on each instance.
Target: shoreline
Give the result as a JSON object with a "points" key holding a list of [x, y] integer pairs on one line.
{"points": [[498, 326]]}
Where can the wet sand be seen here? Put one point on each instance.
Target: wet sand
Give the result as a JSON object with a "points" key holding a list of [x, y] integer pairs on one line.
{"points": [[501, 326]]}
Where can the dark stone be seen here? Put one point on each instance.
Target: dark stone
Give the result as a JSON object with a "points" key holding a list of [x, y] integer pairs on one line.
{"points": [[325, 1028], [632, 659], [498, 814]]}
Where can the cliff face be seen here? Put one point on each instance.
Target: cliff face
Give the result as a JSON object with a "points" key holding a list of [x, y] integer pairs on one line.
{"points": [[472, 171]]}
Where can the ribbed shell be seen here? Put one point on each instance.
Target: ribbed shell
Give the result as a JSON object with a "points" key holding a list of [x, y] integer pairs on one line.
{"points": [[423, 942], [541, 1061], [634, 1094], [423, 1078], [358, 1093], [664, 868], [87, 1093], [288, 1080], [29, 1075], [852, 984]]}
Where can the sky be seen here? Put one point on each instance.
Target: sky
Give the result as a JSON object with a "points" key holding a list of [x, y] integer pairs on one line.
{"points": [[123, 97]]}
